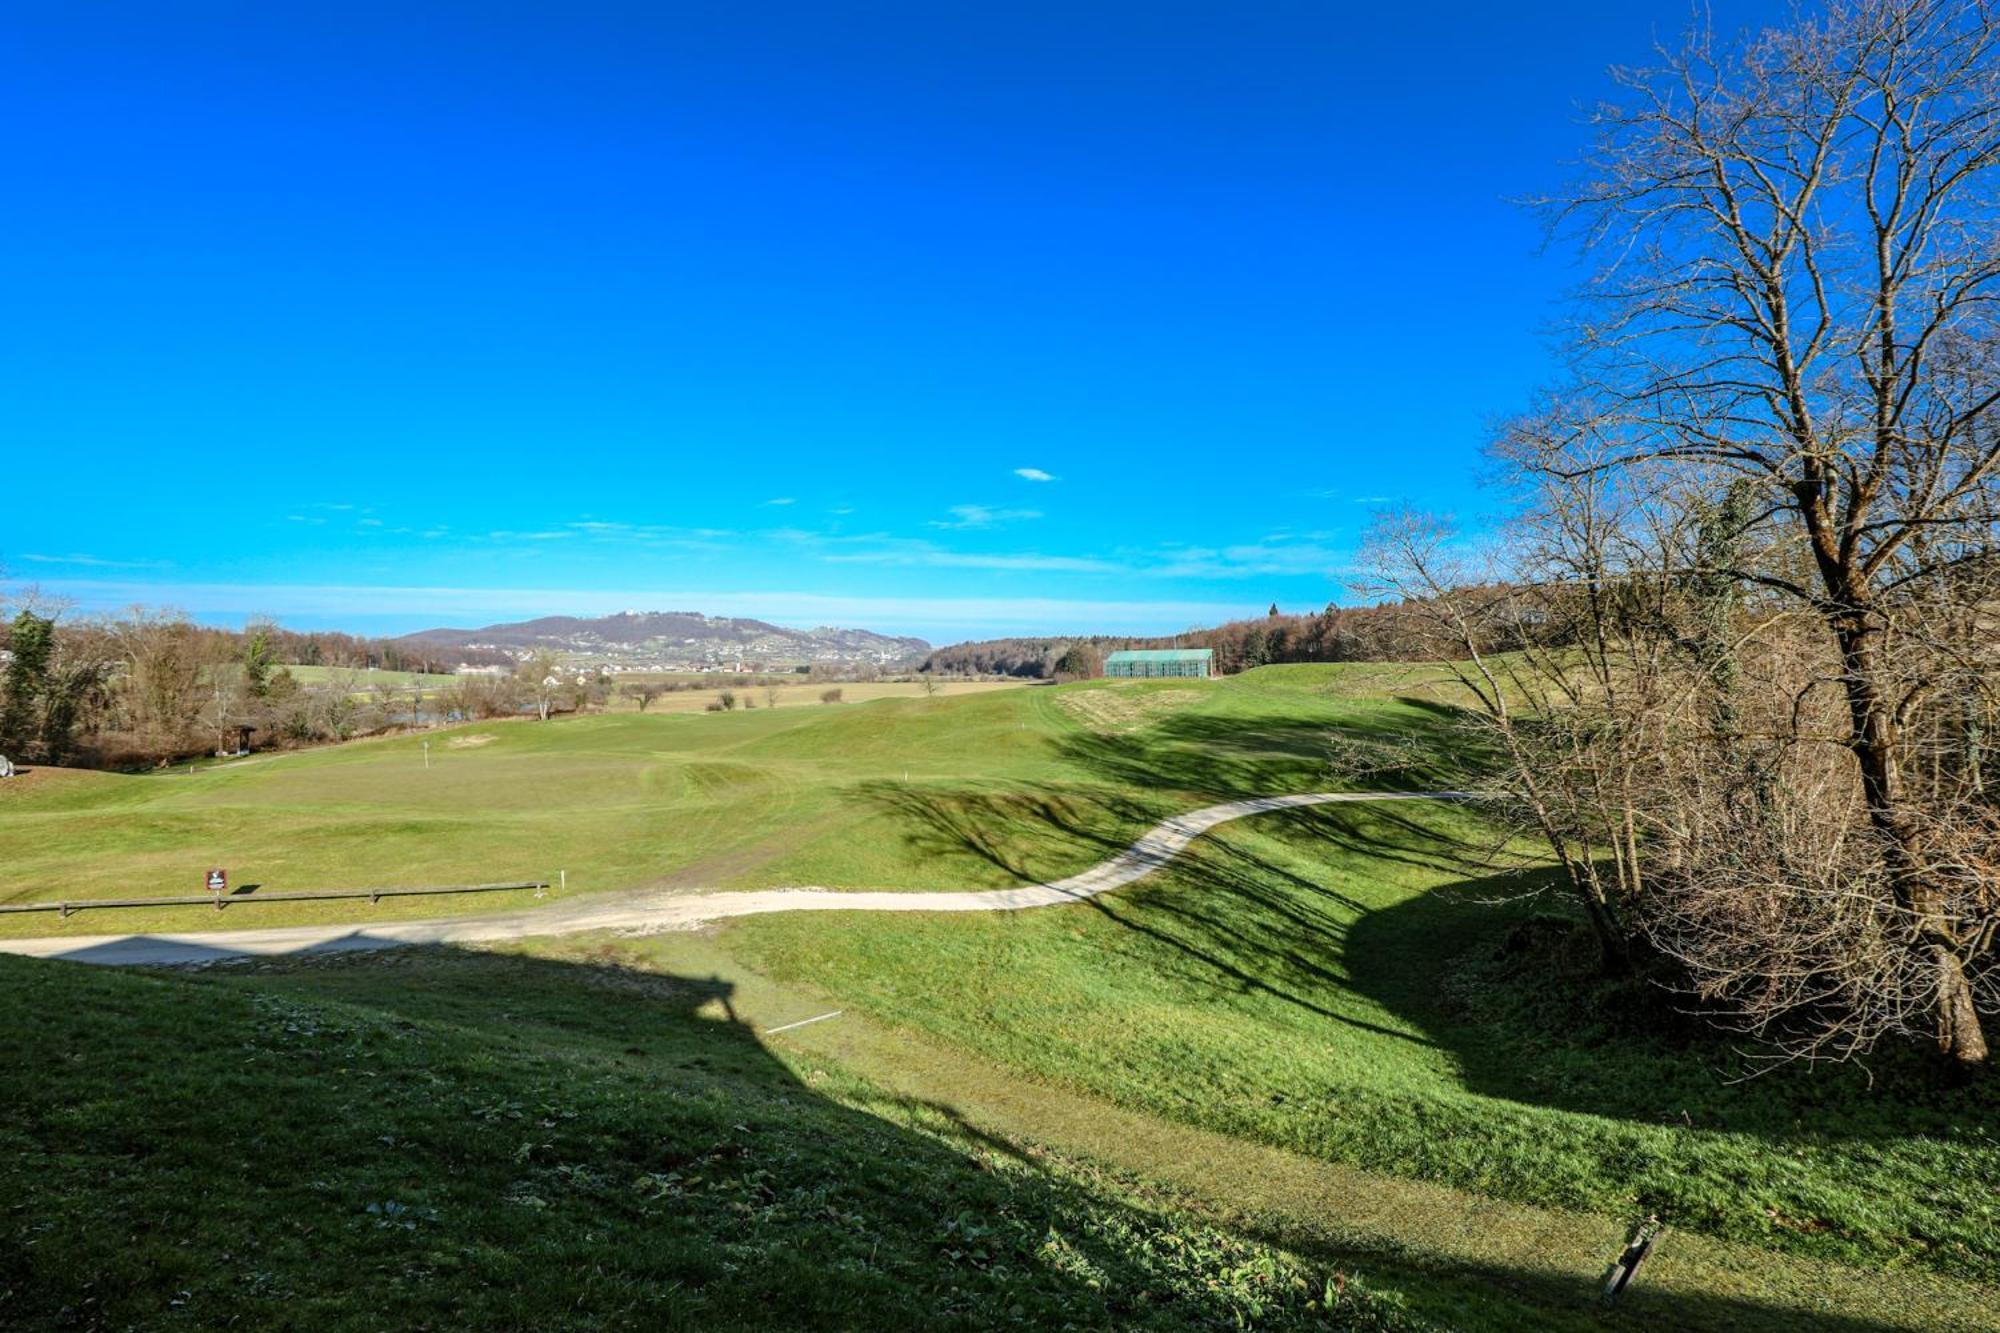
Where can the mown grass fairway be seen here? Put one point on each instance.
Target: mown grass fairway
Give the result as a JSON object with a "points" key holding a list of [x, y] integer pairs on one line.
{"points": [[792, 796], [802, 694], [1342, 986]]}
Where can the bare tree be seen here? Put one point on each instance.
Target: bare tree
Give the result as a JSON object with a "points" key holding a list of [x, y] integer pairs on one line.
{"points": [[1799, 261], [161, 691], [643, 693], [1527, 705]]}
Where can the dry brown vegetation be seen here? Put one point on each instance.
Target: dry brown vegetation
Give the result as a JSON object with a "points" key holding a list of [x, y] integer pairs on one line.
{"points": [[1754, 592]]}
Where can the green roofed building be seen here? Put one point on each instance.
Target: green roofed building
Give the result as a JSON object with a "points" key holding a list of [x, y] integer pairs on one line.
{"points": [[1153, 663]]}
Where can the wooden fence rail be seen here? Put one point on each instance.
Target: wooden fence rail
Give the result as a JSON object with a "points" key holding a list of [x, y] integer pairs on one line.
{"points": [[222, 900]]}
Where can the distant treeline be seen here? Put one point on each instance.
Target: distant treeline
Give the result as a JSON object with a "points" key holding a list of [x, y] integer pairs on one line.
{"points": [[1387, 633], [152, 687]]}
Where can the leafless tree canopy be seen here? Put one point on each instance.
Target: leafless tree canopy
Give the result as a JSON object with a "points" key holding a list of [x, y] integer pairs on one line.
{"points": [[1761, 522]]}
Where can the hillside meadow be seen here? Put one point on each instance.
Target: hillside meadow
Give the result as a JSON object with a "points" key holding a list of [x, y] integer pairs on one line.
{"points": [[839, 796], [1361, 999]]}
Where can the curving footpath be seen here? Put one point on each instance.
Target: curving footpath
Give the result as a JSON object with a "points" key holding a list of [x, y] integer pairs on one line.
{"points": [[673, 911]]}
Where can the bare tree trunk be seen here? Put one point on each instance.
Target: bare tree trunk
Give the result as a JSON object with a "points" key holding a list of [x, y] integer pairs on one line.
{"points": [[1960, 1035]]}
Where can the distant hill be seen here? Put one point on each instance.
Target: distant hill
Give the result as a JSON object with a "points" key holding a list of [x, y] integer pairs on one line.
{"points": [[681, 638]]}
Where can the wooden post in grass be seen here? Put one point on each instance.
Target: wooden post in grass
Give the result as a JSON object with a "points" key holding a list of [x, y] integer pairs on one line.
{"points": [[1626, 1266]]}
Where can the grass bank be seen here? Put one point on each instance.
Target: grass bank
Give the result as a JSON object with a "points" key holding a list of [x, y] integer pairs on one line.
{"points": [[453, 1140]]}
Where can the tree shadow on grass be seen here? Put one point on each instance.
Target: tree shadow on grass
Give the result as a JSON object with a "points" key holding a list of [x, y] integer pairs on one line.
{"points": [[1241, 920], [1509, 988], [1219, 755], [1006, 829], [1620, 1053], [470, 1140], [452, 1139]]}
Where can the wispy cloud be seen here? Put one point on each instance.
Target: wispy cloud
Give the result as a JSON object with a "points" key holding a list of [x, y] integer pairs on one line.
{"points": [[543, 535], [1033, 474], [983, 516], [91, 561], [1248, 559], [656, 536], [1335, 493], [782, 500], [924, 555]]}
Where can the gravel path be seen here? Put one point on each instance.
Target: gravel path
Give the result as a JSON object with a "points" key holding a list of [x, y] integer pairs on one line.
{"points": [[672, 911]]}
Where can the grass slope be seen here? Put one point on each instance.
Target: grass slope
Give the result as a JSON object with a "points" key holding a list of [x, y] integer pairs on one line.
{"points": [[1331, 982], [1339, 983], [384, 1146]]}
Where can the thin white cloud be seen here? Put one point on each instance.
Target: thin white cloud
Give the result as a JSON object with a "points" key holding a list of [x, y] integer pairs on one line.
{"points": [[782, 501], [652, 534], [929, 557], [1244, 560], [983, 516], [91, 561], [1032, 474]]}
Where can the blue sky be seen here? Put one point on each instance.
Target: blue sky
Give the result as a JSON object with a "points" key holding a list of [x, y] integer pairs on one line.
{"points": [[936, 318]]}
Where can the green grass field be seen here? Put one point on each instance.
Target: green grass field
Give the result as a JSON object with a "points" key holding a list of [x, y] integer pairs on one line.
{"points": [[846, 797], [367, 678], [611, 1150], [1344, 998], [797, 694]]}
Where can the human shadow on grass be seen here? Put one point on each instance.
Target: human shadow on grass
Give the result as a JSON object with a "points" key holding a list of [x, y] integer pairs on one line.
{"points": [[457, 1139], [492, 1139]]}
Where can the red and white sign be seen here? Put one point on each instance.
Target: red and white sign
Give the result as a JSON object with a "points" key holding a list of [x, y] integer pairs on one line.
{"points": [[218, 880]]}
